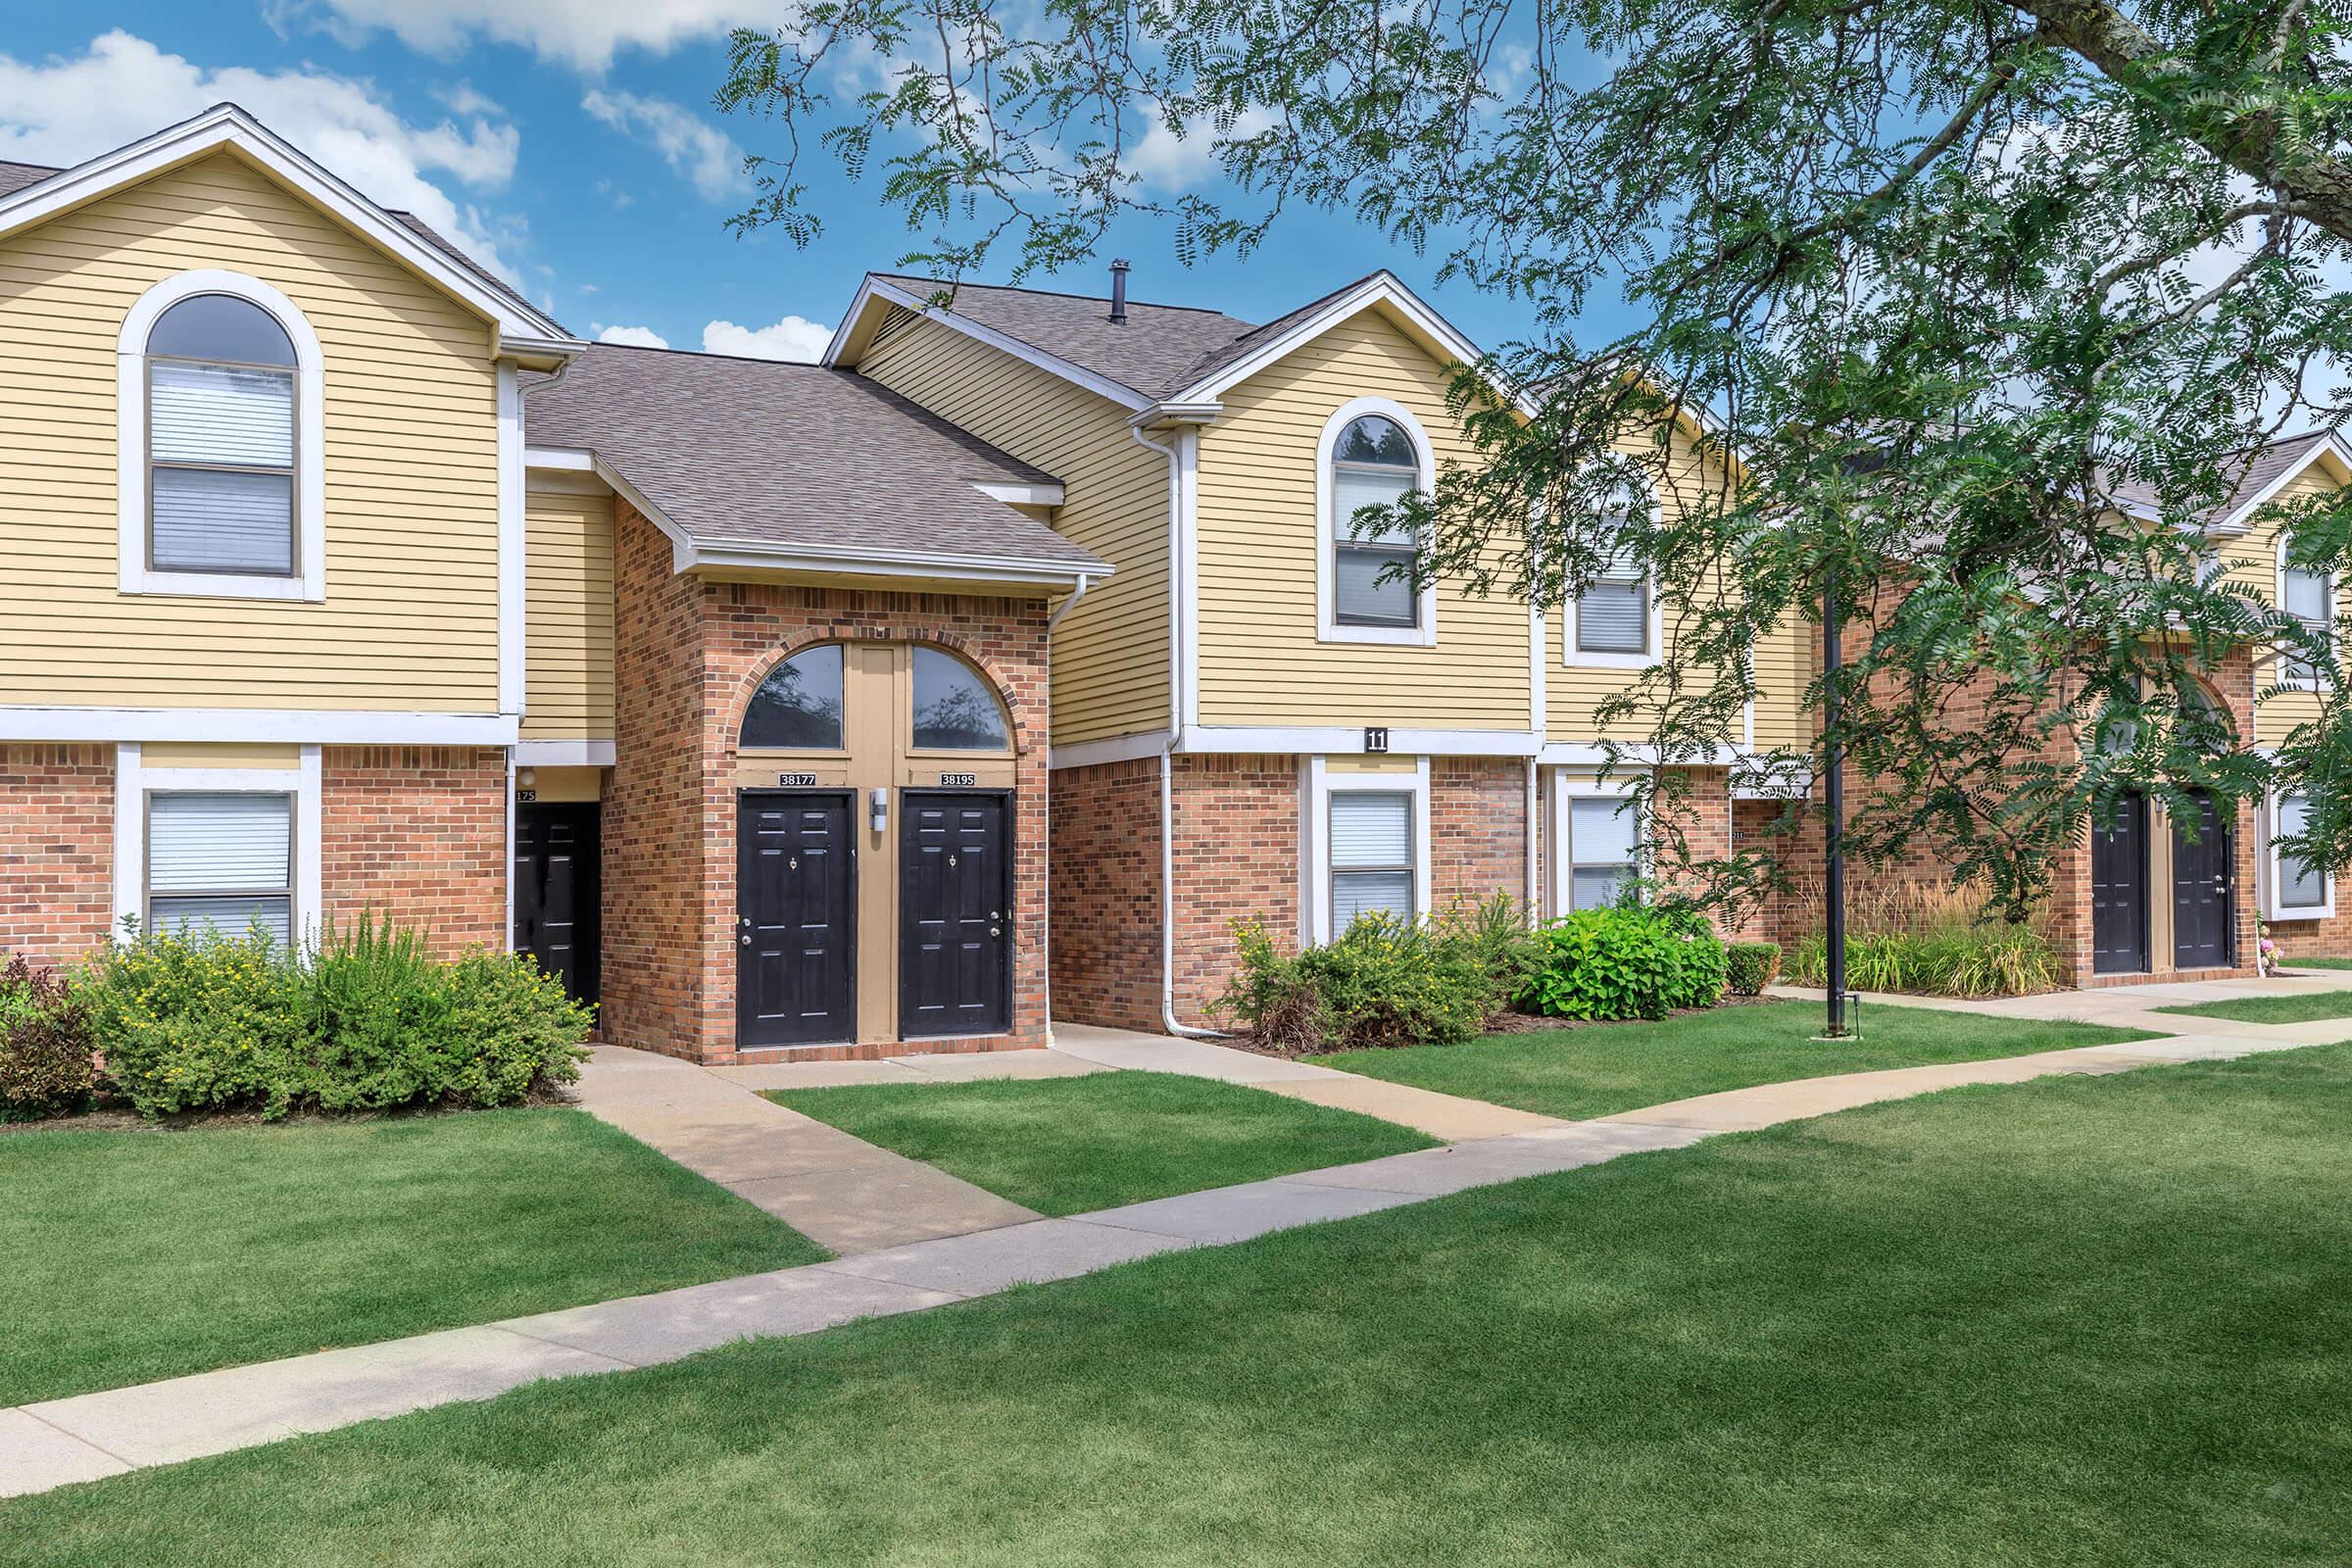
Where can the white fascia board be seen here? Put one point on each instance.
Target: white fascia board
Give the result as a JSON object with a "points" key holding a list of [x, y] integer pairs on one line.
{"points": [[562, 460], [887, 564], [248, 725], [1113, 749], [1382, 287], [227, 125], [1582, 753], [874, 288], [1330, 740], [2240, 520], [1021, 495], [565, 753]]}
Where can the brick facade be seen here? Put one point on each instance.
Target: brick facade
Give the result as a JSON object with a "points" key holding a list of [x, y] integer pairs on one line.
{"points": [[1106, 907], [1477, 829], [418, 833], [1236, 858], [57, 850], [688, 654]]}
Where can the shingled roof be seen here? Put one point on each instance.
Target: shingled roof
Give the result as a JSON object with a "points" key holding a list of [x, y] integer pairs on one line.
{"points": [[2270, 463], [1151, 354], [771, 456]]}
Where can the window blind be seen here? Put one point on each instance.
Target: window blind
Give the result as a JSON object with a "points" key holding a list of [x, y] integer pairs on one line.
{"points": [[214, 520], [1613, 617], [1371, 856], [223, 860], [221, 414], [1354, 488], [2300, 884], [1358, 594], [1601, 852]]}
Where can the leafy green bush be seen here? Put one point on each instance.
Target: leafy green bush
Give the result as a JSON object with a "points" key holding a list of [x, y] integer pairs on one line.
{"points": [[1626, 962], [47, 1064], [1384, 982], [370, 1021], [1749, 966]]}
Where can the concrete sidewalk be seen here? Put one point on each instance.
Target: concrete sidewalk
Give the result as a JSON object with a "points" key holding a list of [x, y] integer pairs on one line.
{"points": [[96, 1435], [840, 1192]]}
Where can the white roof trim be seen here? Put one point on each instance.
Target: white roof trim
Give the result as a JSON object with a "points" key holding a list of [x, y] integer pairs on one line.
{"points": [[1381, 288], [745, 554], [1021, 495], [2237, 521], [521, 331], [874, 288]]}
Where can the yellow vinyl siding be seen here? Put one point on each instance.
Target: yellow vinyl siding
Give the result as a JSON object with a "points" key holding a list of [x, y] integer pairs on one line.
{"points": [[1260, 660], [1111, 655], [567, 618], [2252, 559], [1785, 666], [410, 457]]}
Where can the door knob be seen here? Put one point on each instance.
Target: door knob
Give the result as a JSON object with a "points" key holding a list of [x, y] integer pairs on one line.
{"points": [[747, 938], [991, 931]]}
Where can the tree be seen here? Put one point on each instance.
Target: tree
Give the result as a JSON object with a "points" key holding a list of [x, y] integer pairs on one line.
{"points": [[1967, 305]]}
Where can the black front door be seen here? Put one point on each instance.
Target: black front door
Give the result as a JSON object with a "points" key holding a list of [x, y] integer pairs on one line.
{"points": [[2201, 913], [954, 914], [557, 876], [795, 927], [2119, 889]]}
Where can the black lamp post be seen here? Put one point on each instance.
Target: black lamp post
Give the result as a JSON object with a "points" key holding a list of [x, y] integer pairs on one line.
{"points": [[1832, 747]]}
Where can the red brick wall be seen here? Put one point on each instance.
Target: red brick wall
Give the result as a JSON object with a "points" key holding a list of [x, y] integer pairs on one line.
{"points": [[1236, 858], [1477, 829], [418, 833], [57, 849], [1106, 875], [687, 657]]}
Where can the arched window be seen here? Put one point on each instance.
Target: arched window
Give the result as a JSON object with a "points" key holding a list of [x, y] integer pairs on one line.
{"points": [[219, 405], [1372, 464], [798, 707], [955, 707]]}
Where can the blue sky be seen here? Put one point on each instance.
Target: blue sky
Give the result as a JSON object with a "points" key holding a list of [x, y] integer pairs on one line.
{"points": [[573, 145]]}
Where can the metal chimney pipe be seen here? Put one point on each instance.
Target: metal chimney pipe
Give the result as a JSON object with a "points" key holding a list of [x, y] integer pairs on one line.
{"points": [[1118, 292]]}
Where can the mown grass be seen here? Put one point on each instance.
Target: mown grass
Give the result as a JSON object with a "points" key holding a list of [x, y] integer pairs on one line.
{"points": [[2303, 1008], [138, 1256], [2084, 1321], [1064, 1145], [1602, 1069]]}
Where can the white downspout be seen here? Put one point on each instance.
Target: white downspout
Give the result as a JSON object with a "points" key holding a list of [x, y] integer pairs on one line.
{"points": [[1167, 782], [1047, 806], [1534, 826]]}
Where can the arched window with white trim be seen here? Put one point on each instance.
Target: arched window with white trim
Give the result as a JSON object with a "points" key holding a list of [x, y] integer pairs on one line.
{"points": [[1373, 453], [219, 425]]}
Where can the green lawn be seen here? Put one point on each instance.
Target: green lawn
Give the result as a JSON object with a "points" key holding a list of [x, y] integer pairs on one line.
{"points": [[1604, 1069], [1064, 1145], [2081, 1323], [137, 1256], [2315, 963], [2300, 1009]]}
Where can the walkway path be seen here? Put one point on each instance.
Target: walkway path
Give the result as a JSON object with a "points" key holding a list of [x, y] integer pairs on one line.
{"points": [[841, 1191], [96, 1435]]}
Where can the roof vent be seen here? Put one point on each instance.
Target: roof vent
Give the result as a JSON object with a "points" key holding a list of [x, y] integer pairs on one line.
{"points": [[1118, 291]]}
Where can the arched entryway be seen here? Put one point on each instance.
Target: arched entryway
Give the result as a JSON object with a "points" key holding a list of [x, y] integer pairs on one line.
{"points": [[875, 791], [2164, 883]]}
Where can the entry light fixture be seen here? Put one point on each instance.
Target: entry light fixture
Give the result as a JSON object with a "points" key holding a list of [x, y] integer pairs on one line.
{"points": [[880, 799]]}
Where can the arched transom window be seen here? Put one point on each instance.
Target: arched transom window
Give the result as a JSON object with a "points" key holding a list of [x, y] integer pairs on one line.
{"points": [[1373, 462], [822, 698]]}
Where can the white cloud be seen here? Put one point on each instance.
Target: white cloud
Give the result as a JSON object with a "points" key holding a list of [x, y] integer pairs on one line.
{"points": [[467, 99], [792, 338], [635, 338], [582, 33], [1176, 163], [67, 108], [694, 148]]}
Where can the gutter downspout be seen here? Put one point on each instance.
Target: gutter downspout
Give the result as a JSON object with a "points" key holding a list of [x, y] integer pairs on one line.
{"points": [[1168, 783], [1534, 826], [1051, 621], [522, 424]]}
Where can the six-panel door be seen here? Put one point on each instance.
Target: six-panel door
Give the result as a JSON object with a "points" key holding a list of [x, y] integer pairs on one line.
{"points": [[558, 889], [795, 970], [2203, 921], [2119, 889], [954, 909]]}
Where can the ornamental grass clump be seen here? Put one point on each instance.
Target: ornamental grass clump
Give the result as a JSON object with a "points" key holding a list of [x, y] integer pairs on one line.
{"points": [[1937, 941]]}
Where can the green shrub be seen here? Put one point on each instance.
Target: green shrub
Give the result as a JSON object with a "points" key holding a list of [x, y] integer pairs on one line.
{"points": [[1626, 962], [370, 1021], [47, 1064], [1384, 982], [1750, 966]]}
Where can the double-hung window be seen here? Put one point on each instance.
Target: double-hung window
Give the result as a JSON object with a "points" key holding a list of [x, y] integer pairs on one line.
{"points": [[1372, 867], [1373, 464], [2308, 596], [223, 860], [221, 440], [1612, 613], [1600, 857], [2299, 889]]}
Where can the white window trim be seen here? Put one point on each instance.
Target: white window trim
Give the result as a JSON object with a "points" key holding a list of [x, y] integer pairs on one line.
{"points": [[1574, 658], [1327, 623], [134, 781], [309, 583], [1567, 787], [2319, 678], [1319, 784], [2272, 908]]}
